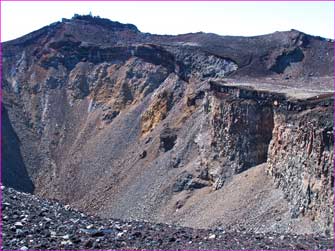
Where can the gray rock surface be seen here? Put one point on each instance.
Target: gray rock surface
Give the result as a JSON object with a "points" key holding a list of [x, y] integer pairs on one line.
{"points": [[301, 161]]}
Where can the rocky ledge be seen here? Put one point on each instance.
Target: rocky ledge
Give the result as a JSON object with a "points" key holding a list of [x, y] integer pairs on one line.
{"points": [[33, 223]]}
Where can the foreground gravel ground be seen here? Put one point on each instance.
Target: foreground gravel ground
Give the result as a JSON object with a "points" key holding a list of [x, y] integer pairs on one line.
{"points": [[33, 223]]}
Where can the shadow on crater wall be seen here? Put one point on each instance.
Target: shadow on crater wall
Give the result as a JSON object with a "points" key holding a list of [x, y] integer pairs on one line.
{"points": [[14, 172]]}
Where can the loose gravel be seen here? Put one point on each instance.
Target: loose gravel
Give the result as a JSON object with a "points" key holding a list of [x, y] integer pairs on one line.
{"points": [[29, 222]]}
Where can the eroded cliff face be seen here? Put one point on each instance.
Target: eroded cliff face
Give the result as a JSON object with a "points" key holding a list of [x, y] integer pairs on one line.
{"points": [[301, 161], [134, 125], [293, 138], [240, 128]]}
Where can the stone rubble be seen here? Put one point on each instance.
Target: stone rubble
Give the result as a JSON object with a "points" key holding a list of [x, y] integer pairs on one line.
{"points": [[62, 227]]}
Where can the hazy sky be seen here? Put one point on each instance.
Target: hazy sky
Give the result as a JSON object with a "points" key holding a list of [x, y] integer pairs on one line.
{"points": [[224, 18]]}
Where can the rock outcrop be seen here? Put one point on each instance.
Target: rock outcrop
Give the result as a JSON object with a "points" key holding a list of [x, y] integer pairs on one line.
{"points": [[241, 124], [301, 160], [295, 138]]}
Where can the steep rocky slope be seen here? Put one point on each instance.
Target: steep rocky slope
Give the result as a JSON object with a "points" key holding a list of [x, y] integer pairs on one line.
{"points": [[132, 125], [301, 160]]}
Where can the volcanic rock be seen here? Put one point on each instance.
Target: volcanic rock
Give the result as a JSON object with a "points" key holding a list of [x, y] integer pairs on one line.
{"points": [[237, 132]]}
